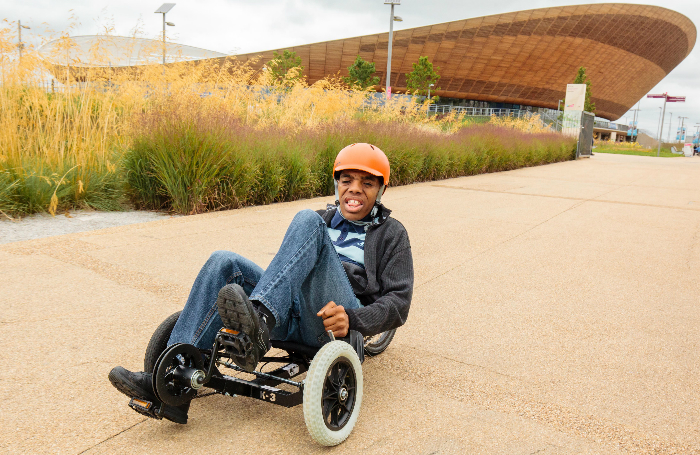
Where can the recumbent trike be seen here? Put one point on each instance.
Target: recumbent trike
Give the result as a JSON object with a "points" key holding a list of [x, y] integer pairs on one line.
{"points": [[331, 393]]}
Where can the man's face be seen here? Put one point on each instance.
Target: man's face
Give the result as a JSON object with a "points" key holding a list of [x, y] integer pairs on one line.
{"points": [[357, 190]]}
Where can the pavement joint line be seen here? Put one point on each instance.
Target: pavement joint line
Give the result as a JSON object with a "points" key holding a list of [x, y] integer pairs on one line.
{"points": [[480, 367], [113, 436], [462, 264], [595, 199], [581, 202], [74, 253]]}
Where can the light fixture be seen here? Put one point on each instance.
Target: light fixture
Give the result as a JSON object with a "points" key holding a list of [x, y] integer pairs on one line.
{"points": [[164, 8]]}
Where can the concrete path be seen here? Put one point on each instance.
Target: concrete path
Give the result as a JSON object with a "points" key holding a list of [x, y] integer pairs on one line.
{"points": [[556, 310]]}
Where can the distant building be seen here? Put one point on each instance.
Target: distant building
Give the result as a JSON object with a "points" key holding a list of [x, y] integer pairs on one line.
{"points": [[524, 58], [520, 60]]}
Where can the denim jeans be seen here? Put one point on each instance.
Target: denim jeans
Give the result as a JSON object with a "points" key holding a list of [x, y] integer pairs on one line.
{"points": [[304, 275]]}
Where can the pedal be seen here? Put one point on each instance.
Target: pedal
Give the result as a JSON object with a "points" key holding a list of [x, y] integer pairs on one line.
{"points": [[146, 408], [235, 343]]}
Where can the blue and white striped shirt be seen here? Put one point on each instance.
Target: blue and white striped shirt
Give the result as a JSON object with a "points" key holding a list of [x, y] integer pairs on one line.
{"points": [[348, 239]]}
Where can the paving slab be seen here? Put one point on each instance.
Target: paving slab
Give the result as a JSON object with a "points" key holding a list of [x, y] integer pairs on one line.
{"points": [[556, 310]]}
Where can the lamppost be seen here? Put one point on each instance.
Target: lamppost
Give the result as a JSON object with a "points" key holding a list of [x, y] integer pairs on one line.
{"points": [[429, 87], [19, 37], [667, 99], [392, 18], [670, 121], [658, 128], [164, 8]]}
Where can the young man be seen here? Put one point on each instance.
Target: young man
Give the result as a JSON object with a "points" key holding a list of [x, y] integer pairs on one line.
{"points": [[346, 268]]}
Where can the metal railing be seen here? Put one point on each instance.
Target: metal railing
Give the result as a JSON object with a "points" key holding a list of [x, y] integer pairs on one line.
{"points": [[549, 117], [601, 123], [469, 111], [552, 117]]}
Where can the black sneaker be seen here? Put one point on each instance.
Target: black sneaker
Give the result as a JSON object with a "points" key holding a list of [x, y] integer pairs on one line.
{"points": [[240, 315], [139, 387]]}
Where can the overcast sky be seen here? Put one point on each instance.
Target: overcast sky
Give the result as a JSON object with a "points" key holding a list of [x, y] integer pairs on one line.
{"points": [[242, 26]]}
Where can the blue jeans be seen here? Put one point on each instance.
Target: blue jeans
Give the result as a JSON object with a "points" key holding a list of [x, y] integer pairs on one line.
{"points": [[304, 275]]}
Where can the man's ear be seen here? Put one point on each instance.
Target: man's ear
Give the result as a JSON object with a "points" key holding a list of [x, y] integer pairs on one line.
{"points": [[384, 190]]}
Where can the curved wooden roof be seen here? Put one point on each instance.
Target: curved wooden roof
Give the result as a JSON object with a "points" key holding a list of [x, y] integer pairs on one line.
{"points": [[525, 57]]}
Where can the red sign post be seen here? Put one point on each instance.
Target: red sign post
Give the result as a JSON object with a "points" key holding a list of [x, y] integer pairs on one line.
{"points": [[667, 99]]}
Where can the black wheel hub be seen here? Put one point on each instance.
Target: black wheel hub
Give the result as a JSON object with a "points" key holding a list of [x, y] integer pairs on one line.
{"points": [[339, 390], [174, 372]]}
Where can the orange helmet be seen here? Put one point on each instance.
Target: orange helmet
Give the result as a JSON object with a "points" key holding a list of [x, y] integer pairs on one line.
{"points": [[363, 157]]}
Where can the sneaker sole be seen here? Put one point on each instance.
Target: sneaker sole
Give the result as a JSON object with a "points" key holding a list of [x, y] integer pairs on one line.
{"points": [[238, 314]]}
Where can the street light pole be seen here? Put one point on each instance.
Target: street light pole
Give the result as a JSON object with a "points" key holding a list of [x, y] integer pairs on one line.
{"points": [[667, 99], [19, 37], [164, 8], [661, 130], [392, 18], [428, 111]]}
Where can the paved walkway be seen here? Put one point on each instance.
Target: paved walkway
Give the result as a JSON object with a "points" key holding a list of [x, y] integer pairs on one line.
{"points": [[555, 311]]}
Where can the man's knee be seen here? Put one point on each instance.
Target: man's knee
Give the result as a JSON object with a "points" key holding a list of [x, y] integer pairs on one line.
{"points": [[307, 217], [222, 258]]}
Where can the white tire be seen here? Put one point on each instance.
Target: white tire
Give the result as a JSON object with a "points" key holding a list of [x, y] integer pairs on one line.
{"points": [[334, 369]]}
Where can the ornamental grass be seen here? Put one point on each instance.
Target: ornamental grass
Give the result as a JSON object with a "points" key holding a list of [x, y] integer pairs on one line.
{"points": [[191, 137]]}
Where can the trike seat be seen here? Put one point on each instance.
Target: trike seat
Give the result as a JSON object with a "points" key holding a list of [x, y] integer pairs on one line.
{"points": [[354, 338], [295, 348]]}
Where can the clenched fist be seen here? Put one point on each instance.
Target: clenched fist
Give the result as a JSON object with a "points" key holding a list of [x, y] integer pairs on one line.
{"points": [[335, 318]]}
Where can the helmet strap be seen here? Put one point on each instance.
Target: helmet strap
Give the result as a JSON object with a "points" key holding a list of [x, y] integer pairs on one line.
{"points": [[378, 201], [337, 196]]}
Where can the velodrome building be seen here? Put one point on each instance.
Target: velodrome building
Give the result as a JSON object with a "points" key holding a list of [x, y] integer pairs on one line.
{"points": [[524, 58], [516, 60]]}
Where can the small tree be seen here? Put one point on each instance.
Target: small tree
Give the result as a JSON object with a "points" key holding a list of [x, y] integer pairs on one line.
{"points": [[361, 74], [581, 78], [418, 81], [286, 68]]}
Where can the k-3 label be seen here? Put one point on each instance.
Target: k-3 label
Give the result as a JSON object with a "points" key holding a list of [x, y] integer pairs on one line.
{"points": [[269, 396]]}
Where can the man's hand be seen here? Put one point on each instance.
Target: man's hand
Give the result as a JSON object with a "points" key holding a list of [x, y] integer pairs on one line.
{"points": [[335, 318]]}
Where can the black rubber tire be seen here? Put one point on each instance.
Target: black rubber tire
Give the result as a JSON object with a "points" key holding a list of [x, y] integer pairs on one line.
{"points": [[377, 344], [159, 341]]}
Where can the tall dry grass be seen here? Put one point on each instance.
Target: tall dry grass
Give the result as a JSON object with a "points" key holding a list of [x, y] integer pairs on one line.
{"points": [[197, 136]]}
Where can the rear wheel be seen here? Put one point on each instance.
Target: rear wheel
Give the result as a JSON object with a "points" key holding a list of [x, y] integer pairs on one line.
{"points": [[333, 393], [376, 344], [159, 341]]}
